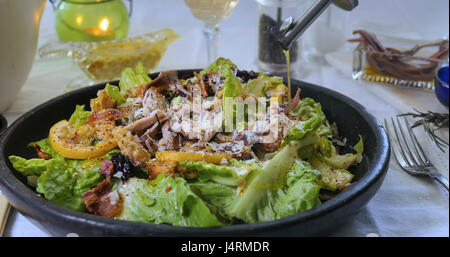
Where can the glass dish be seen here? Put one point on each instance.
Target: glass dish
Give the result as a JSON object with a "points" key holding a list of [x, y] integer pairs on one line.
{"points": [[104, 61], [384, 68], [91, 20]]}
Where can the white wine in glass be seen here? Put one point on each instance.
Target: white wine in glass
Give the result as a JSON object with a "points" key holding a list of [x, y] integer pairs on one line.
{"points": [[211, 12]]}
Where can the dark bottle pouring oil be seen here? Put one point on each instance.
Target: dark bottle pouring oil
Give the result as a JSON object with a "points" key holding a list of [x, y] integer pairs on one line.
{"points": [[271, 55]]}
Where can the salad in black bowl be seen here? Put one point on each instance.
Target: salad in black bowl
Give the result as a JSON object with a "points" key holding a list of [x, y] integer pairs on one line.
{"points": [[221, 148]]}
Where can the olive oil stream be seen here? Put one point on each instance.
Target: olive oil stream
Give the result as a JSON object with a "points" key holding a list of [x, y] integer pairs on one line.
{"points": [[288, 62]]}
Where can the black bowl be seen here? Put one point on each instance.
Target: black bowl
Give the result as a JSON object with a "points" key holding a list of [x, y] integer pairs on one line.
{"points": [[3, 124], [352, 118]]}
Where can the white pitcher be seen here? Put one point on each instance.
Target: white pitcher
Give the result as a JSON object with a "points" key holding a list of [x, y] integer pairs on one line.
{"points": [[19, 30]]}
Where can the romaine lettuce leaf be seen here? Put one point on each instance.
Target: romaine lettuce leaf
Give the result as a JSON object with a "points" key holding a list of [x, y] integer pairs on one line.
{"points": [[36, 166], [346, 160], [221, 174], [282, 187], [221, 65], [165, 200], [114, 93], [219, 198], [326, 147], [332, 178], [131, 78], [46, 146], [80, 116], [258, 87], [301, 130], [333, 166], [308, 108], [301, 193], [258, 199], [232, 88], [31, 167], [64, 185]]}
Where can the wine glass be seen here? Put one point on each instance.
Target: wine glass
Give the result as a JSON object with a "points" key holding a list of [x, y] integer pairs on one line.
{"points": [[211, 12]]}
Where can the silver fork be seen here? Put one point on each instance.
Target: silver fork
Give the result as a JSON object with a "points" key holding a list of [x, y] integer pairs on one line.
{"points": [[408, 152]]}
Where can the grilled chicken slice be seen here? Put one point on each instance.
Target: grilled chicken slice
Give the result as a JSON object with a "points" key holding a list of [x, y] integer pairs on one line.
{"points": [[130, 146], [141, 126], [103, 122]]}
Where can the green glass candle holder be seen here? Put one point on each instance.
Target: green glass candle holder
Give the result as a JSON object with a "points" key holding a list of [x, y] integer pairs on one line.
{"points": [[91, 20]]}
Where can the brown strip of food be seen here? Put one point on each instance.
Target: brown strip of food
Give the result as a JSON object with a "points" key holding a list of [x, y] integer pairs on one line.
{"points": [[140, 126], [294, 101], [41, 154], [384, 60], [129, 146], [202, 85], [160, 84], [99, 200], [105, 115], [107, 168], [171, 140]]}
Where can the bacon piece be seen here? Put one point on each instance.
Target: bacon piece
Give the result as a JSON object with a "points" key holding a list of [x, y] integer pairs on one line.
{"points": [[107, 168], [41, 154], [202, 85], [160, 84], [272, 147], [101, 201], [104, 115], [294, 101]]}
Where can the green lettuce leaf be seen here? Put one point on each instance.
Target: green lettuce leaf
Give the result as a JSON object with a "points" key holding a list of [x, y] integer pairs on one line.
{"points": [[346, 160], [283, 187], [301, 130], [308, 108], [221, 65], [46, 147], [232, 88], [64, 185], [80, 116], [131, 78], [31, 167], [301, 193], [332, 178], [219, 198], [114, 93], [258, 198], [326, 147], [217, 173], [36, 166], [258, 87], [165, 200], [333, 166]]}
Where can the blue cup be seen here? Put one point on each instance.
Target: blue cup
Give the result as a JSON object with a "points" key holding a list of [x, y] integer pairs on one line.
{"points": [[441, 85]]}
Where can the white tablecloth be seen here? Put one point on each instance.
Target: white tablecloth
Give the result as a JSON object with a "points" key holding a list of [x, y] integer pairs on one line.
{"points": [[404, 206]]}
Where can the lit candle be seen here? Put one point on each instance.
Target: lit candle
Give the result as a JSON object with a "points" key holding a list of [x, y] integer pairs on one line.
{"points": [[102, 31]]}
